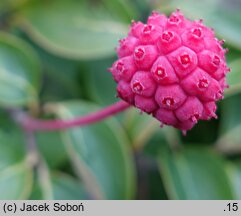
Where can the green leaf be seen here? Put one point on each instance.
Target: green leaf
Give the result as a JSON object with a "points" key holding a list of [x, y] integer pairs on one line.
{"points": [[60, 77], [52, 148], [141, 128], [230, 113], [36, 193], [16, 182], [234, 78], [42, 187], [230, 142], [15, 167], [230, 124], [19, 72], [234, 173], [60, 186], [8, 5], [194, 173], [150, 185], [67, 188], [99, 83], [12, 149], [123, 8], [100, 153], [73, 29], [218, 14]]}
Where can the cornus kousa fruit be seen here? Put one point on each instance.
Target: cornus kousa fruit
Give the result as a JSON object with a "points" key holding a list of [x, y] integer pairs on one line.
{"points": [[172, 68]]}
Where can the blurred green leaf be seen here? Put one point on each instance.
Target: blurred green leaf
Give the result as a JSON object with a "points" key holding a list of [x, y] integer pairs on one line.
{"points": [[230, 113], [234, 173], [73, 29], [232, 55], [203, 133], [15, 168], [61, 186], [52, 148], [68, 188], [100, 153], [8, 5], [125, 9], [150, 186], [234, 78], [230, 142], [223, 16], [16, 182], [194, 173], [19, 72], [141, 128], [99, 83], [42, 187], [60, 76], [36, 193], [230, 125], [12, 149]]}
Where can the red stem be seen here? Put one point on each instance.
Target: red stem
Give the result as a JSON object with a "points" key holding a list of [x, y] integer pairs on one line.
{"points": [[32, 124]]}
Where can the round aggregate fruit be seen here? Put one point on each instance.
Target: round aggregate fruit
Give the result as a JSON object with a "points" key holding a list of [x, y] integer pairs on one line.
{"points": [[172, 68]]}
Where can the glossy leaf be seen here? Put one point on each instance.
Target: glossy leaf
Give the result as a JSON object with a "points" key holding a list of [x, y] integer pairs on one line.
{"points": [[73, 29], [101, 86], [234, 78], [230, 124], [234, 173], [125, 9], [36, 193], [150, 186], [60, 77], [141, 128], [12, 149], [9, 5], [52, 148], [15, 182], [194, 173], [42, 187], [100, 154], [68, 188], [60, 186], [15, 168], [19, 72]]}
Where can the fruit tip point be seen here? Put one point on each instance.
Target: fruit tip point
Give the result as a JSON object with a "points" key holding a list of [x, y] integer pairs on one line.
{"points": [[194, 119], [214, 116], [222, 42], [155, 12]]}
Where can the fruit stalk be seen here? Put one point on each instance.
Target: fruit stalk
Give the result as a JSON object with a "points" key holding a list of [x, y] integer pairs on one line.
{"points": [[32, 124]]}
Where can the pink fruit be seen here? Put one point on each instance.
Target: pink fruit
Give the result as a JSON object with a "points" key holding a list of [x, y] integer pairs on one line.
{"points": [[172, 68]]}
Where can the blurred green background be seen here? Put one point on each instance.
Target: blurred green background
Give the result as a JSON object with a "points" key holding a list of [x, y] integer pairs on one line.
{"points": [[54, 56]]}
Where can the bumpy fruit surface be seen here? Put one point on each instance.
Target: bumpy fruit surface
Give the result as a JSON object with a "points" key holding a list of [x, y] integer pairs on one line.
{"points": [[172, 68]]}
